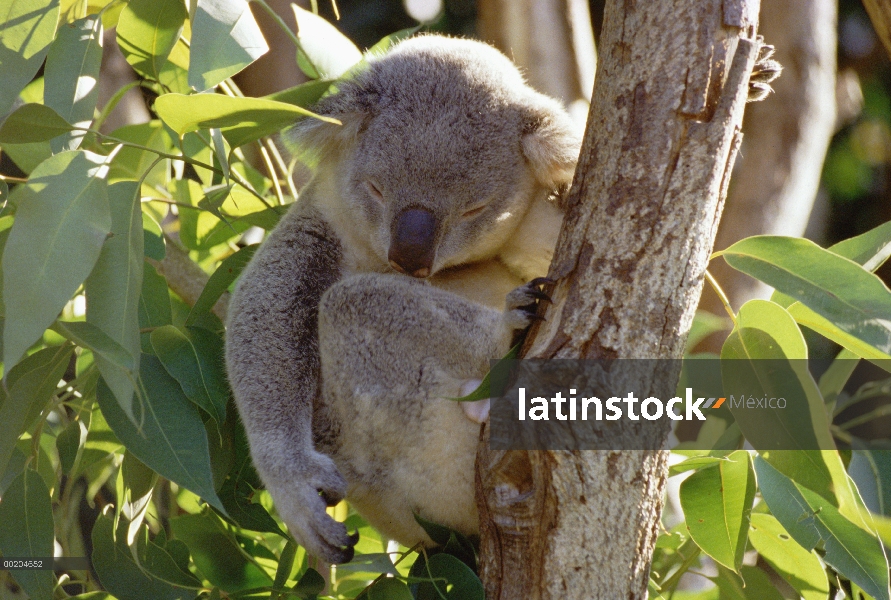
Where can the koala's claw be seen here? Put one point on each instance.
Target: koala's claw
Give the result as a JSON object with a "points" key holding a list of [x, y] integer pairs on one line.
{"points": [[521, 304]]}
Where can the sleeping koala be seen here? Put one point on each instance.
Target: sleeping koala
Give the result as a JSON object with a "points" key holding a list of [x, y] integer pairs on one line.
{"points": [[386, 289]]}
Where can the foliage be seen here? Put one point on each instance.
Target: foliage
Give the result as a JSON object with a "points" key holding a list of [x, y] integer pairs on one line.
{"points": [[114, 397]]}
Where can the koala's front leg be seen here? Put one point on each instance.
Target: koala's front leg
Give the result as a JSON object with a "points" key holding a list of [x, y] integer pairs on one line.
{"points": [[273, 362]]}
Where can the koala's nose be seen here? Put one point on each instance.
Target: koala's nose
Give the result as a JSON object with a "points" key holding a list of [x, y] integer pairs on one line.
{"points": [[413, 242]]}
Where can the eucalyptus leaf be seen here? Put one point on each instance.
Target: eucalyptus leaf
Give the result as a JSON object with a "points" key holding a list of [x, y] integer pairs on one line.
{"points": [[30, 385], [801, 568], [27, 516], [71, 77], [113, 290], [324, 52], [717, 502], [241, 120], [811, 519], [225, 39], [836, 288], [27, 28], [171, 440], [62, 221], [147, 31], [31, 123]]}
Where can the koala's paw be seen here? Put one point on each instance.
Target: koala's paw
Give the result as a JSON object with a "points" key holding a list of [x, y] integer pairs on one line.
{"points": [[301, 503], [766, 70], [521, 305]]}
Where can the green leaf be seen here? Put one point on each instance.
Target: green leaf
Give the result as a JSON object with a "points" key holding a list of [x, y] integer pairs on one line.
{"points": [[324, 52], [717, 502], [228, 271], [171, 440], [870, 249], [30, 385], [27, 28], [449, 578], [311, 584], [800, 568], [119, 572], [154, 301], [132, 163], [194, 360], [387, 589], [240, 483], [811, 519], [27, 516], [241, 120], [754, 584], [305, 95], [113, 289], [833, 380], [225, 39], [834, 287], [32, 123], [693, 464], [68, 444], [89, 336], [386, 43], [147, 31], [215, 555], [71, 76], [61, 223], [764, 356], [802, 314]]}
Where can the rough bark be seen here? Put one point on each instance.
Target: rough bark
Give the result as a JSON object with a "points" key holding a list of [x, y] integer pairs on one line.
{"points": [[643, 211], [787, 135], [880, 14], [551, 40]]}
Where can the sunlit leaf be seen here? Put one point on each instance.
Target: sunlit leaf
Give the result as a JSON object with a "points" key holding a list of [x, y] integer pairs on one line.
{"points": [[71, 77], [147, 31], [324, 52], [26, 31], [242, 120], [225, 39], [799, 567], [717, 502]]}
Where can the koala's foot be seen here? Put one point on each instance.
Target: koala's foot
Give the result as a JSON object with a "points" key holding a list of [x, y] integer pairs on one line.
{"points": [[302, 503], [765, 71], [478, 410]]}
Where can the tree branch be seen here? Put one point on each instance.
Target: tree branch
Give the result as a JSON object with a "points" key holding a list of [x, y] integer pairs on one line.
{"points": [[642, 215]]}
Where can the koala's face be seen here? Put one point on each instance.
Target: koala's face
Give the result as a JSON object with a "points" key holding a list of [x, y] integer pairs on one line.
{"points": [[442, 149], [440, 189]]}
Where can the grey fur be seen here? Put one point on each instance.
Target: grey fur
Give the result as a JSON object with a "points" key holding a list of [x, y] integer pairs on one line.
{"points": [[340, 366]]}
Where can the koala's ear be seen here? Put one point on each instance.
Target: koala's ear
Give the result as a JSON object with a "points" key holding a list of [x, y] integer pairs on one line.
{"points": [[353, 105], [312, 139], [551, 143]]}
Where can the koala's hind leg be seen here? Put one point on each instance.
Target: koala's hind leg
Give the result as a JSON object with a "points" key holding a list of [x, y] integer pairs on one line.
{"points": [[394, 350]]}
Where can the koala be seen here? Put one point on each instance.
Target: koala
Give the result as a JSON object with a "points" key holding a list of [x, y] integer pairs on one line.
{"points": [[409, 261]]}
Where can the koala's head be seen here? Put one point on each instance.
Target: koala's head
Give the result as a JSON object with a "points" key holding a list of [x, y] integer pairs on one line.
{"points": [[442, 148]]}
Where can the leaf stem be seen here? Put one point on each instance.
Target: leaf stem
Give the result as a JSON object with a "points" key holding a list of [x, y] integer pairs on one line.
{"points": [[723, 297]]}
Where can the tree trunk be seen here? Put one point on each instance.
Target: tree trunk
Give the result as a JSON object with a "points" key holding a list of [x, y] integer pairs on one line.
{"points": [[642, 214], [787, 135]]}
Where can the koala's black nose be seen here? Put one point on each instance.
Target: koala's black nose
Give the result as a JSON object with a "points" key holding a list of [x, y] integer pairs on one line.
{"points": [[413, 242]]}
